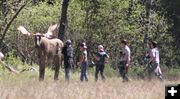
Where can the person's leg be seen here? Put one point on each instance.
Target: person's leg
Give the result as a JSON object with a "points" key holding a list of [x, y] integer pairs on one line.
{"points": [[126, 73], [67, 74], [85, 71], [158, 72], [150, 71], [82, 72], [121, 69], [102, 72], [96, 72]]}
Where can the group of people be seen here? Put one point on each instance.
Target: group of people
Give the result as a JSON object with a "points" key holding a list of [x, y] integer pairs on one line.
{"points": [[83, 60], [100, 60]]}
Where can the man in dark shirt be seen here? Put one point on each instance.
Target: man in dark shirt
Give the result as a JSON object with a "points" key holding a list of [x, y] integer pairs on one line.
{"points": [[68, 58]]}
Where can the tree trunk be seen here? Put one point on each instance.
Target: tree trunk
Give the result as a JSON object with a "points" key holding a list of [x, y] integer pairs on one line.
{"points": [[148, 22], [63, 20]]}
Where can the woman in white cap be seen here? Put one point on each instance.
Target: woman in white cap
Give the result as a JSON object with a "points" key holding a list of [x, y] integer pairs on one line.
{"points": [[100, 62]]}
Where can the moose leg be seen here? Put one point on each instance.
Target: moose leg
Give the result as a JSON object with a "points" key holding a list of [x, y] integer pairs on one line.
{"points": [[56, 67], [41, 67]]}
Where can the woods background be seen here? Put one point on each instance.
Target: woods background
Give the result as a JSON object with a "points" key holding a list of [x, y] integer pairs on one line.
{"points": [[96, 22]]}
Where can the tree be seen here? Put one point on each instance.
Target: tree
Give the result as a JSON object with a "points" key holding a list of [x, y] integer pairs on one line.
{"points": [[8, 24], [148, 21], [63, 20]]}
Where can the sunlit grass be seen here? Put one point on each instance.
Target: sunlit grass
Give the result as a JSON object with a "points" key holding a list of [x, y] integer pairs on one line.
{"points": [[27, 86]]}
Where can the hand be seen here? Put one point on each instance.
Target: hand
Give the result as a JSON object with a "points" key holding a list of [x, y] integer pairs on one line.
{"points": [[78, 63], [127, 65], [106, 61]]}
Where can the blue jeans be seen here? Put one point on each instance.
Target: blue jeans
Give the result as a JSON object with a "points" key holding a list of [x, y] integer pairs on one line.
{"points": [[67, 73], [84, 67]]}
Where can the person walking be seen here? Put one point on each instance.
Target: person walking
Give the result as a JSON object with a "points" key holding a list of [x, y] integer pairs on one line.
{"points": [[154, 62], [100, 62], [125, 58], [68, 58]]}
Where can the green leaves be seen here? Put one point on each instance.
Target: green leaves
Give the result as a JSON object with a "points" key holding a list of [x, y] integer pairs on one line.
{"points": [[103, 22]]}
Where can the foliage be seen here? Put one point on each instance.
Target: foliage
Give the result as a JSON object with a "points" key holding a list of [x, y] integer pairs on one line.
{"points": [[96, 22]]}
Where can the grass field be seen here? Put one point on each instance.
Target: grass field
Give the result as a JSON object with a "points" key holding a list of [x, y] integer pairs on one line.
{"points": [[27, 86]]}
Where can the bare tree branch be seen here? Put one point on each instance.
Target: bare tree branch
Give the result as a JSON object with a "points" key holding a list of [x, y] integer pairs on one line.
{"points": [[10, 22]]}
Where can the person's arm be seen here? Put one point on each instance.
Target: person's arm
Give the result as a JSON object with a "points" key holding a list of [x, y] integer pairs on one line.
{"points": [[79, 60], [82, 58], [96, 57], [106, 56], [128, 58]]}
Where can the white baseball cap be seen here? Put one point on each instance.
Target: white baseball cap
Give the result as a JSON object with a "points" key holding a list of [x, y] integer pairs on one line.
{"points": [[100, 47]]}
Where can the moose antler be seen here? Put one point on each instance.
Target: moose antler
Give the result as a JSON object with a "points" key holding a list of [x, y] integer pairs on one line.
{"points": [[50, 30], [23, 30], [49, 33]]}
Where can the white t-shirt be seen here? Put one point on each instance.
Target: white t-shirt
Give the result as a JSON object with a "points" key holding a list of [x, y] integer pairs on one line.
{"points": [[155, 54], [85, 55], [126, 54]]}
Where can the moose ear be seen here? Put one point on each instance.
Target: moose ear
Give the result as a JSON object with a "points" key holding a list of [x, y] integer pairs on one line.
{"points": [[23, 30]]}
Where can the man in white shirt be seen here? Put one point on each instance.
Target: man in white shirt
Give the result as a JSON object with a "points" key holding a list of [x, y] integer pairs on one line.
{"points": [[125, 58], [154, 61]]}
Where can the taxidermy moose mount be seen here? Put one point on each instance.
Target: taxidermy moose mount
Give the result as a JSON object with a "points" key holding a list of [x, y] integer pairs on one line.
{"points": [[47, 46]]}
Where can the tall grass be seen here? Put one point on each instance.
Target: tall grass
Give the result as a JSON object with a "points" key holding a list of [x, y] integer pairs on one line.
{"points": [[27, 86]]}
